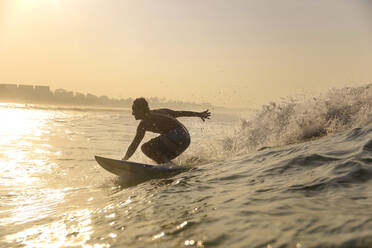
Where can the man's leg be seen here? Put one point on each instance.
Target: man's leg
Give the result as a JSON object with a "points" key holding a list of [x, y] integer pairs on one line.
{"points": [[152, 151], [166, 147]]}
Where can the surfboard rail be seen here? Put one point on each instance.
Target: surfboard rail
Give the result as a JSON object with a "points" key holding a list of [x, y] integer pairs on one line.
{"points": [[139, 170]]}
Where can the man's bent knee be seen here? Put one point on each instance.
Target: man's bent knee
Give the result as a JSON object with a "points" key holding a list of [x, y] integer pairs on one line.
{"points": [[146, 149], [149, 151]]}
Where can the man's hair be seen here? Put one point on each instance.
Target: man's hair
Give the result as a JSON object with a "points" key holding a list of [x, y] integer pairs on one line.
{"points": [[141, 103]]}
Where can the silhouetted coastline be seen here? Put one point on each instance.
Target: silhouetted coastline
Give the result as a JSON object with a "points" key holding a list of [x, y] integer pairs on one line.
{"points": [[40, 94]]}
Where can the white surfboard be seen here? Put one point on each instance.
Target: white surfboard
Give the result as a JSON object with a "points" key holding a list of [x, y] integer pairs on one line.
{"points": [[135, 170]]}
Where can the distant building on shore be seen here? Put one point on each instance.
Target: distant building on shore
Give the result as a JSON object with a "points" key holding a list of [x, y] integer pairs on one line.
{"points": [[8, 91], [8, 88], [22, 88], [43, 90], [25, 92]]}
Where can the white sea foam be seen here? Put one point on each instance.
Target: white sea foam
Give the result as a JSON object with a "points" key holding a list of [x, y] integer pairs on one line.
{"points": [[295, 119]]}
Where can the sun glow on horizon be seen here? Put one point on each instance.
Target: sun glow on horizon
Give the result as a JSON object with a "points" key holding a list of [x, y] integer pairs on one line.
{"points": [[17, 12], [36, 3], [252, 52]]}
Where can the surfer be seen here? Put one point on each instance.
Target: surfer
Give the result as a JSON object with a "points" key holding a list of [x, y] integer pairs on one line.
{"points": [[174, 137]]}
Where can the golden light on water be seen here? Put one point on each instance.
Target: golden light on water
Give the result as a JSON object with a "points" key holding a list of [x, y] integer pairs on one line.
{"points": [[73, 230], [21, 132], [23, 158], [31, 205], [18, 122], [27, 159]]}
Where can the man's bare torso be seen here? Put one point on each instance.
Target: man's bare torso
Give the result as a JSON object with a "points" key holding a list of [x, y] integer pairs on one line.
{"points": [[160, 121]]}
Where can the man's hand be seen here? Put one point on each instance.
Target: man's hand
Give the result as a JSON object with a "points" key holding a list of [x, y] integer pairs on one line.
{"points": [[204, 115]]}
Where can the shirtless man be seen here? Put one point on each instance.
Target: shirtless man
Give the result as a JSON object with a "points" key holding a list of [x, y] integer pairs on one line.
{"points": [[174, 137]]}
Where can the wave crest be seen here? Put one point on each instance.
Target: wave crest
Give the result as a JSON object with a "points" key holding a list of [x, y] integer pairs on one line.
{"points": [[298, 119]]}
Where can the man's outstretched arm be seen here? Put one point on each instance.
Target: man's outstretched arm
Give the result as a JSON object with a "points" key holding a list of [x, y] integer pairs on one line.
{"points": [[203, 115], [136, 141]]}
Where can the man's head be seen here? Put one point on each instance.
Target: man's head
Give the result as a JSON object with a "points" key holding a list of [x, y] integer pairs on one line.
{"points": [[140, 108]]}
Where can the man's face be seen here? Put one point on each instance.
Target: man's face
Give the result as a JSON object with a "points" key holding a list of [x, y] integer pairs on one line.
{"points": [[138, 113]]}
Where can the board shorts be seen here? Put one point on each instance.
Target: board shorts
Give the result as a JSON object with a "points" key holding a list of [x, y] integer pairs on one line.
{"points": [[172, 143]]}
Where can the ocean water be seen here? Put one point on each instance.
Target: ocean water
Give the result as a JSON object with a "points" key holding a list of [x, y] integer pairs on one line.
{"points": [[290, 174]]}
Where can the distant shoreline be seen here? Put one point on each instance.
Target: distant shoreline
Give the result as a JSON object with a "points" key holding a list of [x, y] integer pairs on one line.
{"points": [[38, 94]]}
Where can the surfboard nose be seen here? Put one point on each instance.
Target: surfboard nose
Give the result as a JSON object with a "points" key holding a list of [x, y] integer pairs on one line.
{"points": [[98, 158]]}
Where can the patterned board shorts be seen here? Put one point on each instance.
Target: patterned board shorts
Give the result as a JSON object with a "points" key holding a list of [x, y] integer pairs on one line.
{"points": [[172, 143]]}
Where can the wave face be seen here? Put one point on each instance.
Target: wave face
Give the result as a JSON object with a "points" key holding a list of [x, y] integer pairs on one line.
{"points": [[292, 174], [299, 119], [311, 194]]}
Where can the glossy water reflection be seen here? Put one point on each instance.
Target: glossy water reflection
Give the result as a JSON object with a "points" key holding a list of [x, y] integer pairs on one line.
{"points": [[73, 229], [53, 194]]}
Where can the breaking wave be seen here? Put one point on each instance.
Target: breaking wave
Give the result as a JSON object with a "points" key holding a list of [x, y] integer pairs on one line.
{"points": [[299, 119]]}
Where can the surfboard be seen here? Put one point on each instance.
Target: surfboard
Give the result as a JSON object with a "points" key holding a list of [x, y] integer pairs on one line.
{"points": [[133, 170]]}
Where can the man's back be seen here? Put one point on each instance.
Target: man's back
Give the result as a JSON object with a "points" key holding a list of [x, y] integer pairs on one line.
{"points": [[161, 121]]}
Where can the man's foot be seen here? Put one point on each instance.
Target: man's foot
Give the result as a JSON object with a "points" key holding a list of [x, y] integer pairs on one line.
{"points": [[169, 164]]}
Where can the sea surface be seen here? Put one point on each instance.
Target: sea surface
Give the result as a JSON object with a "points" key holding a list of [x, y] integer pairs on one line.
{"points": [[291, 174]]}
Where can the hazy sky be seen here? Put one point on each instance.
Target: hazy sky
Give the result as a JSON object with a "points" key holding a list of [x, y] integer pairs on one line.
{"points": [[230, 52]]}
